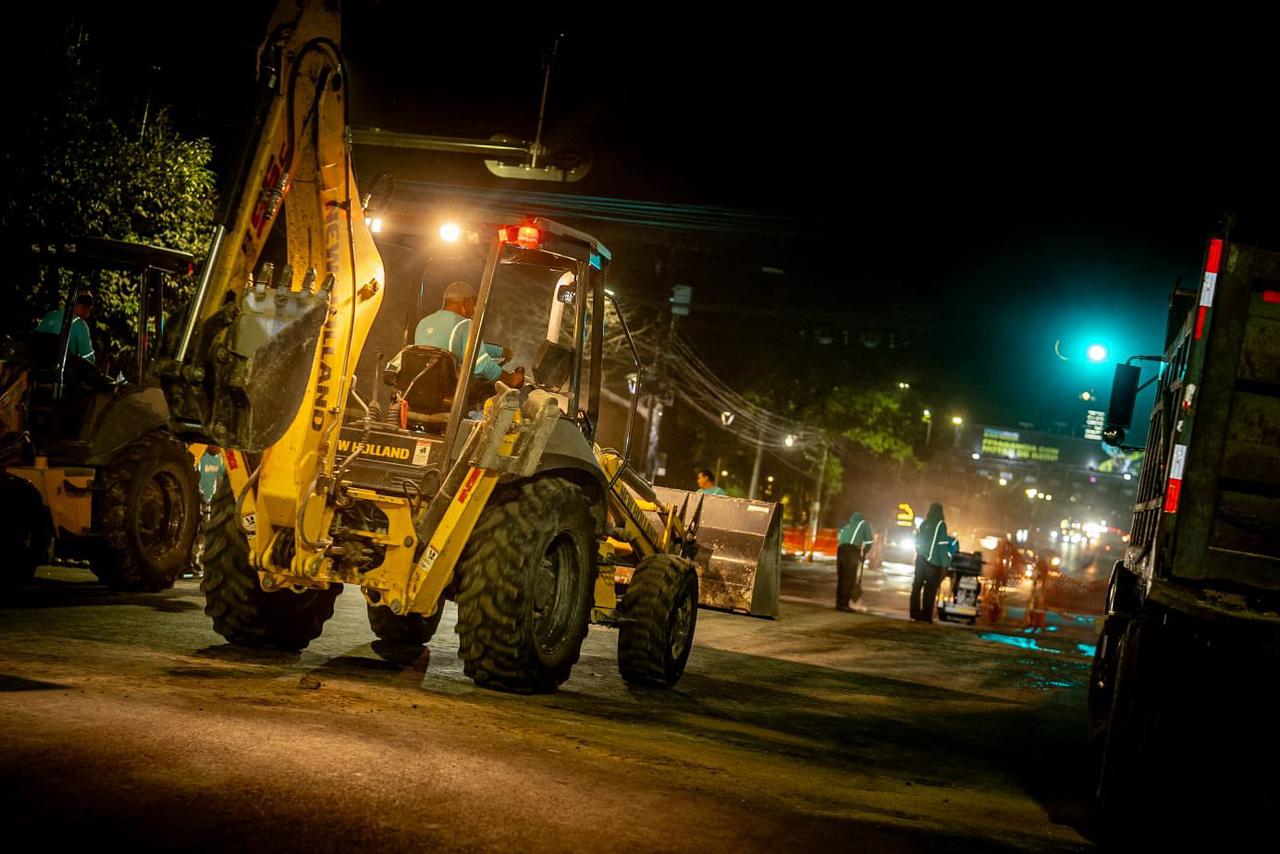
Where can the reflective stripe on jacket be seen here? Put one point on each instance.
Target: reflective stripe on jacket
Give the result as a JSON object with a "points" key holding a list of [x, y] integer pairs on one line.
{"points": [[933, 544]]}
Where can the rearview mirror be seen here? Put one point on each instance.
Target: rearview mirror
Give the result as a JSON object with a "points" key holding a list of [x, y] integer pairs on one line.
{"points": [[376, 200], [1124, 396]]}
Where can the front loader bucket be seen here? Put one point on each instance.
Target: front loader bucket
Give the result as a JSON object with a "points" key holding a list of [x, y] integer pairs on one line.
{"points": [[739, 550]]}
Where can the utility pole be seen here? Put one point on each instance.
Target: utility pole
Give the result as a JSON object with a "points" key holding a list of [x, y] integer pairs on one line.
{"points": [[815, 509], [755, 469], [680, 300]]}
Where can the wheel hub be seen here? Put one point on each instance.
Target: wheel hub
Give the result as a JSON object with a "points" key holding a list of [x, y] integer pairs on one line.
{"points": [[161, 514], [681, 621], [552, 594]]}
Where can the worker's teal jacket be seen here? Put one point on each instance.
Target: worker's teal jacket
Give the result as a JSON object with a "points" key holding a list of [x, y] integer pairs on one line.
{"points": [[933, 544], [856, 532], [79, 343], [448, 331]]}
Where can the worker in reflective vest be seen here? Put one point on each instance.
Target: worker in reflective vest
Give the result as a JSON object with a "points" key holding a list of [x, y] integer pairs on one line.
{"points": [[933, 556], [851, 549]]}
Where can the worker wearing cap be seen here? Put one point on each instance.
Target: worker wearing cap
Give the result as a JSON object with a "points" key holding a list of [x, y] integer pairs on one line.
{"points": [[79, 341], [448, 328]]}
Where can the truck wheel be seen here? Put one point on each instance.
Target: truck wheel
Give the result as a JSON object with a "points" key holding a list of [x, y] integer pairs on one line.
{"points": [[403, 629], [659, 613], [1102, 678], [147, 511], [1125, 758], [242, 612], [24, 533], [526, 585]]}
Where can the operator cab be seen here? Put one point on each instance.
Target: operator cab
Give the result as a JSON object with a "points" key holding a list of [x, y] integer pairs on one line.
{"points": [[540, 303]]}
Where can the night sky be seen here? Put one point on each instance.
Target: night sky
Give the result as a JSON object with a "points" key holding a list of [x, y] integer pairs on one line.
{"points": [[1000, 184]]}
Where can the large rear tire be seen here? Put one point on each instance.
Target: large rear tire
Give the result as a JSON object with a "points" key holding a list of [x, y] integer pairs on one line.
{"points": [[527, 576], [146, 511], [242, 612], [659, 614]]}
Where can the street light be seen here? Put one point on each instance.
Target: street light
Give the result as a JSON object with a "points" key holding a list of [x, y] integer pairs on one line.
{"points": [[927, 418], [450, 232], [958, 422], [904, 386], [790, 441], [1096, 353]]}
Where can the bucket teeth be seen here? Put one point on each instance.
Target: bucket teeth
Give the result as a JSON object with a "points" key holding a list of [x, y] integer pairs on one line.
{"points": [[265, 275]]}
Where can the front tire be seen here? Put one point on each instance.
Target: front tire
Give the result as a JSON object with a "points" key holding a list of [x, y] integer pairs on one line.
{"points": [[147, 511], [242, 612], [659, 614], [526, 586]]}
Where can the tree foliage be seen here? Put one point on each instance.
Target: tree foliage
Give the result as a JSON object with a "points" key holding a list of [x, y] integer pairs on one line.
{"points": [[81, 168]]}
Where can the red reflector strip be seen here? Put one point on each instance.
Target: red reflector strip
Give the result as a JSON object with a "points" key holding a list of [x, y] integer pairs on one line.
{"points": [[1271, 296], [1174, 490], [1201, 313], [1215, 256]]}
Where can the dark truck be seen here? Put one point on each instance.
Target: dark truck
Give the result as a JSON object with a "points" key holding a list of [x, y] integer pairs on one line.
{"points": [[1179, 712]]}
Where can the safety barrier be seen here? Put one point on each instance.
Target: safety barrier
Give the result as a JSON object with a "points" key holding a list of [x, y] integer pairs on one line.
{"points": [[795, 541]]}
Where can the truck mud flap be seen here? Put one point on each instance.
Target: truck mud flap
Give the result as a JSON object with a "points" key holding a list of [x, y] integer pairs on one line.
{"points": [[739, 550]]}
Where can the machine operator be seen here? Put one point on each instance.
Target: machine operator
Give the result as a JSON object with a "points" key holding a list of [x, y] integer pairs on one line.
{"points": [[447, 329]]}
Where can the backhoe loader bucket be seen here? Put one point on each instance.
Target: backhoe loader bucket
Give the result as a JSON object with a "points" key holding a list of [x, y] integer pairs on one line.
{"points": [[739, 550]]}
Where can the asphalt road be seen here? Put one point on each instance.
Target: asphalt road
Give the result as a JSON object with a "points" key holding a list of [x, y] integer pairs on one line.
{"points": [[127, 719]]}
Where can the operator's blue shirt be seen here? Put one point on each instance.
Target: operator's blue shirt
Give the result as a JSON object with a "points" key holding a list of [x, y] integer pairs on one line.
{"points": [[712, 490], [449, 330], [79, 343]]}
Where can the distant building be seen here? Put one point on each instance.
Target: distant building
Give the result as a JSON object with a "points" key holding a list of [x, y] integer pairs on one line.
{"points": [[1062, 480]]}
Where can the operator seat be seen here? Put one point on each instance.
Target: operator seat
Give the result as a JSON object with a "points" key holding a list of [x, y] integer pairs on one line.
{"points": [[425, 377]]}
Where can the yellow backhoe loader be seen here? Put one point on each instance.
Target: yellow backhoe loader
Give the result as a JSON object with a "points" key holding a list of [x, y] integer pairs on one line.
{"points": [[494, 496]]}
